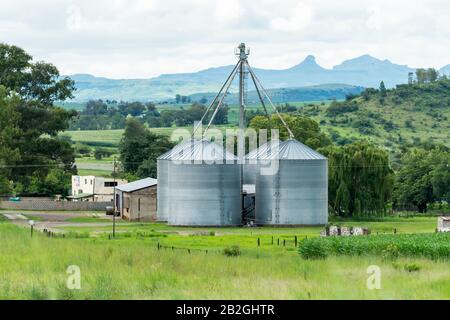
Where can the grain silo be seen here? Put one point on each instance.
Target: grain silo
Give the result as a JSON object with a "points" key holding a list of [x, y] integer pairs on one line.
{"points": [[162, 163], [204, 186], [296, 192]]}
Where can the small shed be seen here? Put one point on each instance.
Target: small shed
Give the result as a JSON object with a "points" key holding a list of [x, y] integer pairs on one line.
{"points": [[136, 201]]}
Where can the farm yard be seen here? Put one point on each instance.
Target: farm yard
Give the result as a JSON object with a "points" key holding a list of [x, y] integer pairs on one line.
{"points": [[156, 261]]}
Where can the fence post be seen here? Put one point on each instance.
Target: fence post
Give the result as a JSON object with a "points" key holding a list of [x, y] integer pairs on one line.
{"points": [[259, 242], [272, 240], [284, 243], [295, 240], [278, 241]]}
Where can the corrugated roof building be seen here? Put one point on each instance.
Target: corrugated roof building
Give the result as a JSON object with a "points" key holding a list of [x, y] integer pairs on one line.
{"points": [[136, 201]]}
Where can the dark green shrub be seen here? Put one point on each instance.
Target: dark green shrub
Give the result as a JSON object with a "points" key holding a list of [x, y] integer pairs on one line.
{"points": [[232, 251], [411, 267]]}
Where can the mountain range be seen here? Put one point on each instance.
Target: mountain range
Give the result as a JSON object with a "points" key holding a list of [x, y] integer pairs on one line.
{"points": [[363, 71]]}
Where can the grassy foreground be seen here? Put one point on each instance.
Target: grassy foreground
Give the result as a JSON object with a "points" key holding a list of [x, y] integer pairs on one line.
{"points": [[132, 268]]}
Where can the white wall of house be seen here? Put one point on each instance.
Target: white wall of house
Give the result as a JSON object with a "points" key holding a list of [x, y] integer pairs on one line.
{"points": [[101, 188], [82, 184]]}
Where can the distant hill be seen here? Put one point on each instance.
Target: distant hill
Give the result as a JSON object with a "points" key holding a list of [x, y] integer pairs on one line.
{"points": [[445, 70], [310, 93], [363, 71]]}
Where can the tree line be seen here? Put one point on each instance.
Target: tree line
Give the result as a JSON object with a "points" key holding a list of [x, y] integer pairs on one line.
{"points": [[102, 115]]}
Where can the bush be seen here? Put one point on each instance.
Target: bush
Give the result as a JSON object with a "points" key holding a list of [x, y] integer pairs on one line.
{"points": [[339, 108], [232, 251], [313, 249], [411, 267]]}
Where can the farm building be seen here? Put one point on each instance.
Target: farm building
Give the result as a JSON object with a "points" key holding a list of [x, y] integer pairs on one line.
{"points": [[136, 201], [91, 188]]}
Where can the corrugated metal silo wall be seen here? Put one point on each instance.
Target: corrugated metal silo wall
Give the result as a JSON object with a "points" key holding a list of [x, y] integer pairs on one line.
{"points": [[250, 171], [296, 195], [163, 196], [204, 194]]}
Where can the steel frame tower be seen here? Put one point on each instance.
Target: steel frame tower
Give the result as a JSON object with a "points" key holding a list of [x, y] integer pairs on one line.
{"points": [[242, 67]]}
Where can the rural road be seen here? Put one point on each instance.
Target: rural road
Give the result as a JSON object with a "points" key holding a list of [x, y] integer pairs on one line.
{"points": [[54, 221]]}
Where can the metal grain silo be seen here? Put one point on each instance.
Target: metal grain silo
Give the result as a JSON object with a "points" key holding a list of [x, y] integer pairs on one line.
{"points": [[249, 172], [296, 193], [204, 182], [162, 164]]}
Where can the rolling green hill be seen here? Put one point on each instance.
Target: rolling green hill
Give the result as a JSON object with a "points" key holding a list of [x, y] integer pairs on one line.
{"points": [[409, 114]]}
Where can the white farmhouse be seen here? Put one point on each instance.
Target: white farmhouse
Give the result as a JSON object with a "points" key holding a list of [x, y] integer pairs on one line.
{"points": [[92, 188]]}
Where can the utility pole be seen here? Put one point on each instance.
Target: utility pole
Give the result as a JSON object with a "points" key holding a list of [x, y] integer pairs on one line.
{"points": [[114, 197]]}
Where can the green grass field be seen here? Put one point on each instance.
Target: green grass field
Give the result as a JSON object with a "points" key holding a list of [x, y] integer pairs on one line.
{"points": [[131, 266]]}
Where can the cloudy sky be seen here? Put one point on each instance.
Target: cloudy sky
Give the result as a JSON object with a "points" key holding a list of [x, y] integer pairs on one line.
{"points": [[144, 38]]}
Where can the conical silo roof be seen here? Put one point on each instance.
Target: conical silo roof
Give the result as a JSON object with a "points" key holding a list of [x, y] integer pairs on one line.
{"points": [[198, 150], [169, 154], [285, 150]]}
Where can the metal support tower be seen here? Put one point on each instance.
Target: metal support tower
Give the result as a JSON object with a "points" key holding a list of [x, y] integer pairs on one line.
{"points": [[242, 54]]}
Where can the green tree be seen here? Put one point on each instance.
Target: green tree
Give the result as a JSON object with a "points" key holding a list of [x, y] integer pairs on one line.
{"points": [[426, 75], [360, 179], [139, 149], [382, 89], [432, 75], [423, 178], [421, 75], [35, 143], [304, 129], [56, 181], [9, 132]]}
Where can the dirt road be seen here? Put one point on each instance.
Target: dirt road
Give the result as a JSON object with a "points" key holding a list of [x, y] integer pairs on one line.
{"points": [[54, 221]]}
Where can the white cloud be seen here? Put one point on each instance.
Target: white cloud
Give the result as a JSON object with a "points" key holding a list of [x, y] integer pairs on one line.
{"points": [[297, 19], [143, 38], [228, 11]]}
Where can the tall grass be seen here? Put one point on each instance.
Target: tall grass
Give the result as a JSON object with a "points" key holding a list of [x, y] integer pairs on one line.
{"points": [[132, 268]]}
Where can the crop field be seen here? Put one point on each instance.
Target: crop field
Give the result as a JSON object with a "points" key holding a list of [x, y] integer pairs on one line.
{"points": [[429, 245], [156, 261]]}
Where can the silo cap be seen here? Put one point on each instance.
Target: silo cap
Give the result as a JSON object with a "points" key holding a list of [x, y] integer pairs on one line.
{"points": [[285, 150], [198, 150]]}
